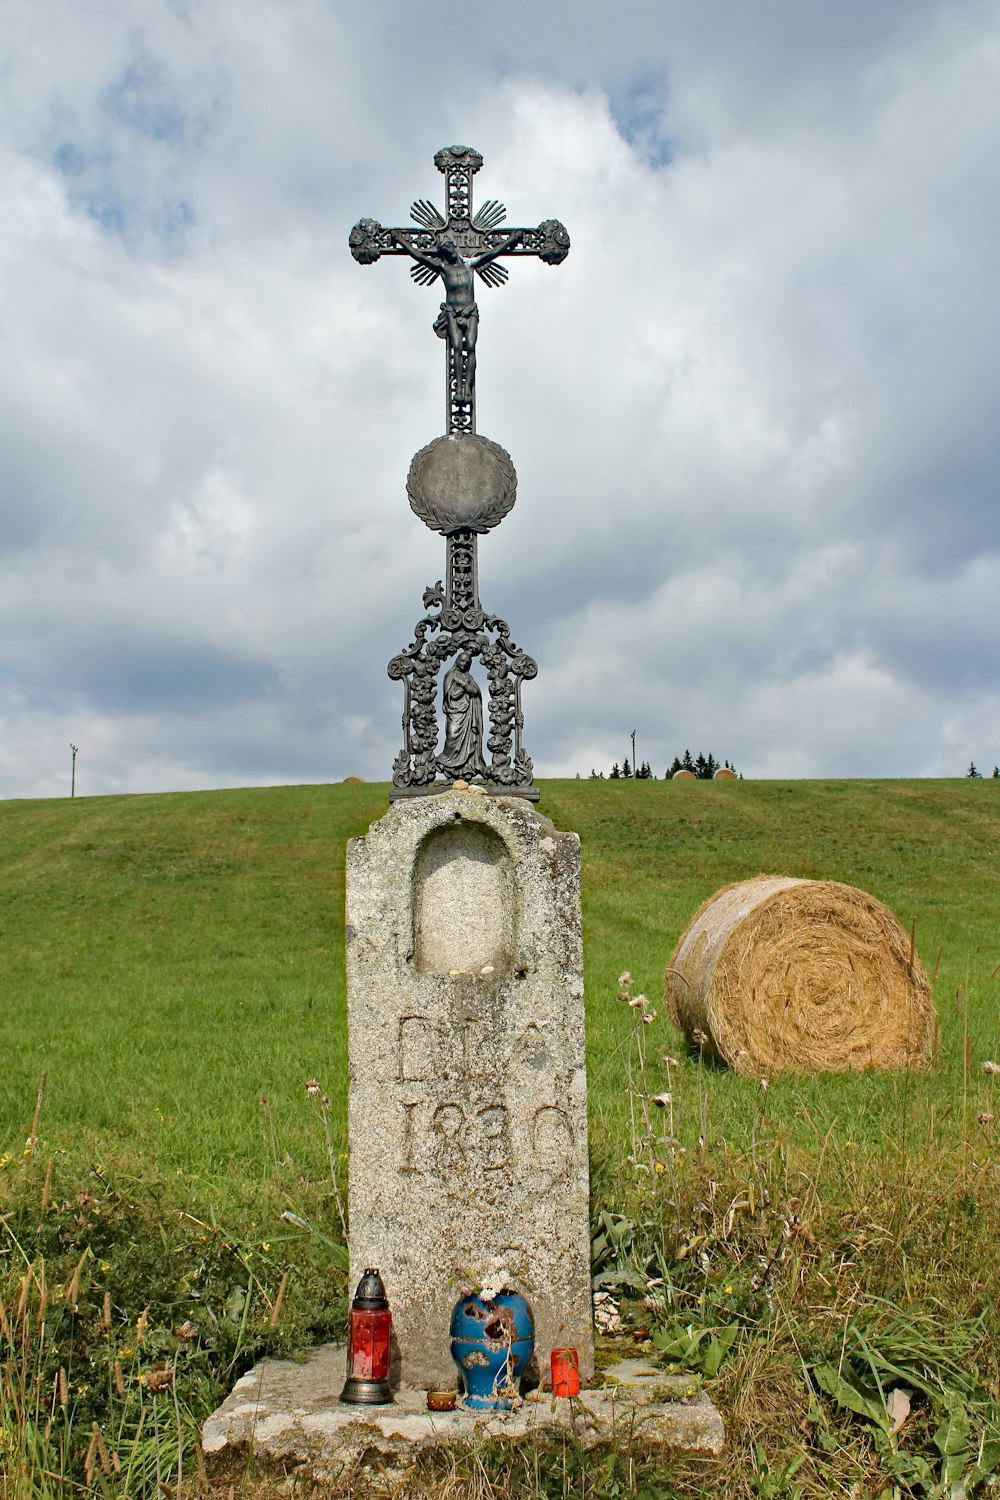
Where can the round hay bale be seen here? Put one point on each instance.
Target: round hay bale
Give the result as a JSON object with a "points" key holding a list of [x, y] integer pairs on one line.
{"points": [[353, 781], [724, 774], [683, 776], [805, 975]]}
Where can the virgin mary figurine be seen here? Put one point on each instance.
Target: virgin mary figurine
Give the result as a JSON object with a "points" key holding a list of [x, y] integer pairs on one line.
{"points": [[462, 756]]}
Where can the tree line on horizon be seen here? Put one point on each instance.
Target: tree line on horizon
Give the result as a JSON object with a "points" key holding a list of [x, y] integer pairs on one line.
{"points": [[702, 766]]}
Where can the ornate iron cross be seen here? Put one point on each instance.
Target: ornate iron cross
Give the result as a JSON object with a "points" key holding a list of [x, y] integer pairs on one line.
{"points": [[461, 485], [457, 246]]}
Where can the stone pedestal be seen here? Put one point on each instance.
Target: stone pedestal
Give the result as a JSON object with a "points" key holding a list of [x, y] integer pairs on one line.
{"points": [[279, 1419], [468, 1096]]}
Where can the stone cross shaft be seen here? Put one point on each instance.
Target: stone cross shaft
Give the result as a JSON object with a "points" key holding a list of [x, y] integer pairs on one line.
{"points": [[455, 247], [468, 1091]]}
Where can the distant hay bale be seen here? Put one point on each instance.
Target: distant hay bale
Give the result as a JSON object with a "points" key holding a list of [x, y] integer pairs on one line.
{"points": [[724, 774], [353, 781], [683, 776], [805, 975]]}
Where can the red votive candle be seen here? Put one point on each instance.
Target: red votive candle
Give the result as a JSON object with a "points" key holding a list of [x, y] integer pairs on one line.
{"points": [[369, 1345], [565, 1372]]}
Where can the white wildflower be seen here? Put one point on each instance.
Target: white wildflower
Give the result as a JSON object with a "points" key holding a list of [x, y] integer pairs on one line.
{"points": [[495, 1281]]}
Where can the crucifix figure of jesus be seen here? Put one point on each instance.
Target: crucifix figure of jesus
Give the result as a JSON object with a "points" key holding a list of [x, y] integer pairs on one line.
{"points": [[458, 320], [458, 246]]}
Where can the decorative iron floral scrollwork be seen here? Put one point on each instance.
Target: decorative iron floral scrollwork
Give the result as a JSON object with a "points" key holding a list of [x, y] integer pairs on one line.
{"points": [[458, 156], [455, 623], [553, 242], [463, 572], [364, 241]]}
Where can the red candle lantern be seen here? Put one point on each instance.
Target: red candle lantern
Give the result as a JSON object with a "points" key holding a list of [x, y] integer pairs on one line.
{"points": [[565, 1372], [369, 1339]]}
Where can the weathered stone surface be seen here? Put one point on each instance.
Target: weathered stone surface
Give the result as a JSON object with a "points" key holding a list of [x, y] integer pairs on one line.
{"points": [[468, 1100], [464, 895], [286, 1417]]}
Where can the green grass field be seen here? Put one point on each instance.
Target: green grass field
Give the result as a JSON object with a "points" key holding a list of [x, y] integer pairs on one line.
{"points": [[169, 962]]}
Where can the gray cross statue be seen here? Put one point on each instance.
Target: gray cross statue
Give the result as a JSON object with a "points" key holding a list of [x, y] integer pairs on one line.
{"points": [[458, 247]]}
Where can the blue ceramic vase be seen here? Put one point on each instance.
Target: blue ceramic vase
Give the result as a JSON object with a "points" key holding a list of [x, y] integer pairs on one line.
{"points": [[491, 1342]]}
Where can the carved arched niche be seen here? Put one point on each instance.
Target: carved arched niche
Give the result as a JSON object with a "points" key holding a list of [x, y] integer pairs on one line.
{"points": [[463, 901]]}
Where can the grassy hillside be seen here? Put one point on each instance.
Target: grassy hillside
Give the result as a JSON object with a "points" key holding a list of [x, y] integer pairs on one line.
{"points": [[170, 959], [174, 966]]}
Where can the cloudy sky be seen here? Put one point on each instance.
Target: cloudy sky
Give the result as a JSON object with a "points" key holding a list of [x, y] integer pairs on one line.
{"points": [[754, 414]]}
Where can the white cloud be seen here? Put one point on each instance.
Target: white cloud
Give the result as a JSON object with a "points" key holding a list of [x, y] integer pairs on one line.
{"points": [[751, 413]]}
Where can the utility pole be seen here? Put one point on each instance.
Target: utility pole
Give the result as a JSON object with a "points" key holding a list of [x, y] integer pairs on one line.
{"points": [[635, 763], [72, 780]]}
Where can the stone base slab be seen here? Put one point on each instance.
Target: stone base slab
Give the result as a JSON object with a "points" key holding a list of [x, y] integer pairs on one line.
{"points": [[285, 1418]]}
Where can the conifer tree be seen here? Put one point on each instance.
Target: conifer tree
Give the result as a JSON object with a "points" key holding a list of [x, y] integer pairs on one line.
{"points": [[703, 766]]}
